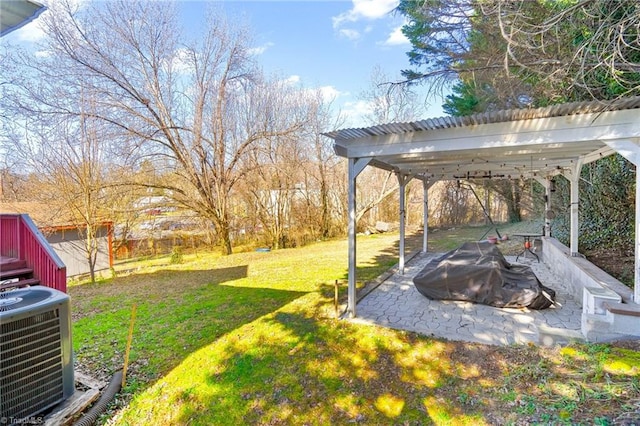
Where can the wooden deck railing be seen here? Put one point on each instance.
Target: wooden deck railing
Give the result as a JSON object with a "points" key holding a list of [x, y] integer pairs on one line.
{"points": [[20, 238]]}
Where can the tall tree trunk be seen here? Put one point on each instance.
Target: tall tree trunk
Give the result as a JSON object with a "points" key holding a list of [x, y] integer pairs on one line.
{"points": [[224, 236], [513, 202]]}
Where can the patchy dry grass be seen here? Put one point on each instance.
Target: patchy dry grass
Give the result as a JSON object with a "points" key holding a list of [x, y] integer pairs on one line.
{"points": [[251, 339]]}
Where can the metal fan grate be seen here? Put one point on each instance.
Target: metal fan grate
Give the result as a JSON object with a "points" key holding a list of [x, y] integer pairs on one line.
{"points": [[31, 375]]}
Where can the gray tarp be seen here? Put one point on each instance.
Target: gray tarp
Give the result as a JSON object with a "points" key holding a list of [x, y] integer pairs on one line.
{"points": [[478, 272]]}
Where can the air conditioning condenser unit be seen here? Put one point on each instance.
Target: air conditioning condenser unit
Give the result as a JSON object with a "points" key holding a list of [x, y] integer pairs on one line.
{"points": [[36, 367]]}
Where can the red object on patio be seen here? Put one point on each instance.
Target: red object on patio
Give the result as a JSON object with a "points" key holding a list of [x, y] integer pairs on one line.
{"points": [[527, 244], [21, 243]]}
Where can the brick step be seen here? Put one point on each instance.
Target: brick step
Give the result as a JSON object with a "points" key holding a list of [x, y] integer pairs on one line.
{"points": [[15, 273], [20, 283]]}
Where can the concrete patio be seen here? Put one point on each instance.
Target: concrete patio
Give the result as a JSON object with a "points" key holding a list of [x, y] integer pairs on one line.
{"points": [[397, 304]]}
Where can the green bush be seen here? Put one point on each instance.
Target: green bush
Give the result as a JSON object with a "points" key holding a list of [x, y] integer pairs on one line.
{"points": [[176, 256]]}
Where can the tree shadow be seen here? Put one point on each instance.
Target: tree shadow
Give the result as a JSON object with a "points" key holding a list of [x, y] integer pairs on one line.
{"points": [[309, 370], [192, 309], [367, 276], [316, 375], [291, 363]]}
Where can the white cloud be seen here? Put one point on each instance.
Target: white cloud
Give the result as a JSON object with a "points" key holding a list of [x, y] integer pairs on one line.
{"points": [[32, 32], [349, 34], [293, 79], [42, 54], [365, 9], [396, 38], [356, 112], [259, 50], [329, 93]]}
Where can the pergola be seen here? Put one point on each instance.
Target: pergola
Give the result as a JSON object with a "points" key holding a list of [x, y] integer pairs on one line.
{"points": [[519, 143]]}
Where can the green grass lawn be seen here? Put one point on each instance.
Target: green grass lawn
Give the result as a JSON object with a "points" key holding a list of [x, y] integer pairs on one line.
{"points": [[251, 338]]}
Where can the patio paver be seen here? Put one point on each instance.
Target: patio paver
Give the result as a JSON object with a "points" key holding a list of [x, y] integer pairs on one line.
{"points": [[397, 304]]}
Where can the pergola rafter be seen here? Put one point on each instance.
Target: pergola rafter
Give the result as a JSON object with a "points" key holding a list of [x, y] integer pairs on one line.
{"points": [[510, 144]]}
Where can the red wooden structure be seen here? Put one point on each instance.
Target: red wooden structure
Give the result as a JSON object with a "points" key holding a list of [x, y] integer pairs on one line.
{"points": [[26, 258]]}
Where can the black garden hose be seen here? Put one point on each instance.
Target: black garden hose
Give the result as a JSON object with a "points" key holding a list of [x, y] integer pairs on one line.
{"points": [[100, 407]]}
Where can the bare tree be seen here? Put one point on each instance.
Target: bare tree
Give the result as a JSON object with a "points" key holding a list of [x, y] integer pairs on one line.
{"points": [[197, 108], [326, 172], [68, 162], [387, 103]]}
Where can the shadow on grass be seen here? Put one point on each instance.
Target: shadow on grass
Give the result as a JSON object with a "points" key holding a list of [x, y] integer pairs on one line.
{"points": [[240, 355], [306, 372], [382, 262], [303, 370], [178, 312]]}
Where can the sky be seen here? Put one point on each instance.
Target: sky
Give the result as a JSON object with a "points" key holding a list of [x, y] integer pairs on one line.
{"points": [[333, 45]]}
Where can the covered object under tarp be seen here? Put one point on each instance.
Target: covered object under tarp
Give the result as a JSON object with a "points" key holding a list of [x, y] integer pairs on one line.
{"points": [[478, 272]]}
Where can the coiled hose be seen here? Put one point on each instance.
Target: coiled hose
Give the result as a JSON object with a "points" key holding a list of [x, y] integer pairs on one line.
{"points": [[100, 407]]}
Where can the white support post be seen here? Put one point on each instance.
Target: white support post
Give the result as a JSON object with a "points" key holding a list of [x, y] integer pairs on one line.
{"points": [[547, 207], [425, 215], [575, 205], [630, 149], [636, 282], [402, 181], [356, 165], [546, 184]]}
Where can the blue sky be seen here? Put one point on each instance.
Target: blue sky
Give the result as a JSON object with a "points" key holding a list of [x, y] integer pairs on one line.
{"points": [[333, 45]]}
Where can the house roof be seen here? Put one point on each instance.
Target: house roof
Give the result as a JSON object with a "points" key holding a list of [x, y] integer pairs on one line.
{"points": [[17, 13], [509, 143], [43, 215]]}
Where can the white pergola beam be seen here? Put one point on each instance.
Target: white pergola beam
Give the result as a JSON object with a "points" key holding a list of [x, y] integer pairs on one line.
{"points": [[551, 131], [597, 154]]}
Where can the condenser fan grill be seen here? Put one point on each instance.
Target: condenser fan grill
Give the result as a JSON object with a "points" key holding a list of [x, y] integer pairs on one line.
{"points": [[11, 300]]}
